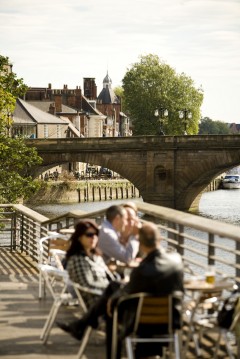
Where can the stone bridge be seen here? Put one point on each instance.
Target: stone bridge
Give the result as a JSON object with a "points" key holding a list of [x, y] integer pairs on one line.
{"points": [[170, 171]]}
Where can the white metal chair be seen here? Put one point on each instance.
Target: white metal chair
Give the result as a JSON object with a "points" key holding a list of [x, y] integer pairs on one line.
{"points": [[50, 256], [64, 298], [150, 311], [59, 297]]}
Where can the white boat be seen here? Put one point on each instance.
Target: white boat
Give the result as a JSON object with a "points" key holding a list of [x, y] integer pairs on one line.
{"points": [[231, 182]]}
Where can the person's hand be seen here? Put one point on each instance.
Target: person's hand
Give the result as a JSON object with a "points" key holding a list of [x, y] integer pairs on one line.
{"points": [[109, 307]]}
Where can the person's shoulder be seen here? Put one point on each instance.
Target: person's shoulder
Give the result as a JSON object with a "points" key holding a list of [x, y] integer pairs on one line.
{"points": [[77, 257], [175, 259], [171, 257], [107, 232]]}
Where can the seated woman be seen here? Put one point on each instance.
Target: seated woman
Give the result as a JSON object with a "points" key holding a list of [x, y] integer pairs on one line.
{"points": [[84, 262]]}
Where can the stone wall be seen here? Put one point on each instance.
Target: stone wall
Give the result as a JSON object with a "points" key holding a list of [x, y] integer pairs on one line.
{"points": [[84, 191]]}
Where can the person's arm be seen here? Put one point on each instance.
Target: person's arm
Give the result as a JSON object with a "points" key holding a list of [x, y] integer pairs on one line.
{"points": [[112, 248], [133, 286]]}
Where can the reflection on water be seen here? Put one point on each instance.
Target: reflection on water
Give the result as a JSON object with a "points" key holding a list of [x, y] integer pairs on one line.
{"points": [[222, 205]]}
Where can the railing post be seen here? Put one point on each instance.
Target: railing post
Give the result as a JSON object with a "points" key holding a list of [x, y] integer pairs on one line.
{"points": [[238, 261], [180, 239], [211, 249]]}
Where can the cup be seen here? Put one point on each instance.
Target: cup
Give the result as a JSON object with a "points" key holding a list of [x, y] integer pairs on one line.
{"points": [[127, 273], [210, 275]]}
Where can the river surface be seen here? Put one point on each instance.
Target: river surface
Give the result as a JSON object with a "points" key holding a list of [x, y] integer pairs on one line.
{"points": [[222, 205]]}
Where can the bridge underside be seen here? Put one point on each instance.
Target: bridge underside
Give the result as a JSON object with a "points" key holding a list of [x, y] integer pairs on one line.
{"points": [[170, 175]]}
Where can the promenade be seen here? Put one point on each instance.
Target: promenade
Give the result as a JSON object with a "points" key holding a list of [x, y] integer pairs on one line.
{"points": [[22, 316]]}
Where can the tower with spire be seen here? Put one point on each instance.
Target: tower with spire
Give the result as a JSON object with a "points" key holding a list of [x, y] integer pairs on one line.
{"points": [[110, 105]]}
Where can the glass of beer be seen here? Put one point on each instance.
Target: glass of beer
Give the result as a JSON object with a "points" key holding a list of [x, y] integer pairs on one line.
{"points": [[210, 275]]}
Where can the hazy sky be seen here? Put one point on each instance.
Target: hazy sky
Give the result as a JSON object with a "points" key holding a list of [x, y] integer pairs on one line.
{"points": [[62, 41]]}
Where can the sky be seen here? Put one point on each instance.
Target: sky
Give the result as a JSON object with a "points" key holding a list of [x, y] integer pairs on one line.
{"points": [[62, 41]]}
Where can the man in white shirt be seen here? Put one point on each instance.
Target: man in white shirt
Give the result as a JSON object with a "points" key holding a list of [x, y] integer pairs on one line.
{"points": [[110, 235]]}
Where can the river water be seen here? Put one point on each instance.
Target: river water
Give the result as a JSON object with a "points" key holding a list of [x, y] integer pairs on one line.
{"points": [[222, 205]]}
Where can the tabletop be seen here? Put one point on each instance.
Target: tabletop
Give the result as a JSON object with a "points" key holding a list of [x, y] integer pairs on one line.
{"points": [[202, 286]]}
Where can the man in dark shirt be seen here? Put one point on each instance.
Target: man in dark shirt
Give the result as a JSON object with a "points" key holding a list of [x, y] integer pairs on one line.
{"points": [[159, 273]]}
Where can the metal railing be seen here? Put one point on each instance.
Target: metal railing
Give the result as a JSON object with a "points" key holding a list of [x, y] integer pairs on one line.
{"points": [[200, 241]]}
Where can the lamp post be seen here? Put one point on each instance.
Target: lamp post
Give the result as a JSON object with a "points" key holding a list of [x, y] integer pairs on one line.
{"points": [[161, 114], [185, 115], [9, 123]]}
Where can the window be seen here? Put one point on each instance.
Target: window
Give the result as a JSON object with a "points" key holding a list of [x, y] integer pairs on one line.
{"points": [[45, 131], [58, 131]]}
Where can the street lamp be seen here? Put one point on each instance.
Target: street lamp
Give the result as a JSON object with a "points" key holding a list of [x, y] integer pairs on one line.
{"points": [[186, 115], [9, 123], [161, 114]]}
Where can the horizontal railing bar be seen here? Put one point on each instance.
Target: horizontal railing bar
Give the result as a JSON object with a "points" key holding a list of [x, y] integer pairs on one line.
{"points": [[227, 249], [190, 220]]}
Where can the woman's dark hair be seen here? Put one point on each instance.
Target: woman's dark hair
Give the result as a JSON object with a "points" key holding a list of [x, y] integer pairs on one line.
{"points": [[80, 228]]}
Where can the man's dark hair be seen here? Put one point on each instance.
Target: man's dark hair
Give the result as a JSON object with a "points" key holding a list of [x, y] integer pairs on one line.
{"points": [[113, 211], [149, 235]]}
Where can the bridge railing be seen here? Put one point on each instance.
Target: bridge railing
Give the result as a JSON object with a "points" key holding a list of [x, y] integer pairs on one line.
{"points": [[200, 241]]}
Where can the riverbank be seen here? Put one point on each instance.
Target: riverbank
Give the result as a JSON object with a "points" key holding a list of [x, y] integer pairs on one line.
{"points": [[83, 191]]}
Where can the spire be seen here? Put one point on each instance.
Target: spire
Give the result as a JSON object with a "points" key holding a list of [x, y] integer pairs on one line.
{"points": [[107, 82]]}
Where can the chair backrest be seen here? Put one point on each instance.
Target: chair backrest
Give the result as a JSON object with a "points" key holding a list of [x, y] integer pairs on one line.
{"points": [[150, 310], [56, 246], [154, 310]]}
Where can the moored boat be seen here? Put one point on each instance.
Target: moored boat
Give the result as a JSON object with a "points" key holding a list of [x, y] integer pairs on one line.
{"points": [[231, 182]]}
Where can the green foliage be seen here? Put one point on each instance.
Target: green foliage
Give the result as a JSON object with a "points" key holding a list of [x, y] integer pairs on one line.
{"points": [[120, 93], [210, 127], [16, 159], [10, 89], [151, 84]]}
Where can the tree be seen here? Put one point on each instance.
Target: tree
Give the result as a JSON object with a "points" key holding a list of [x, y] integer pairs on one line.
{"points": [[210, 127], [16, 159], [10, 89], [120, 94], [151, 84]]}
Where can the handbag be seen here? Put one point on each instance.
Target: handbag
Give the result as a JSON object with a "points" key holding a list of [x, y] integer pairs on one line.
{"points": [[226, 314]]}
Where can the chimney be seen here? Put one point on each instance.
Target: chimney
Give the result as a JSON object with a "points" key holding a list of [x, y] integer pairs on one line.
{"points": [[58, 102], [52, 109], [78, 98]]}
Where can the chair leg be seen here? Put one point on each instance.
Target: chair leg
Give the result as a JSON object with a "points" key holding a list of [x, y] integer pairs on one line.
{"points": [[229, 350], [177, 345], [238, 348], [40, 285], [50, 320], [84, 342], [129, 348]]}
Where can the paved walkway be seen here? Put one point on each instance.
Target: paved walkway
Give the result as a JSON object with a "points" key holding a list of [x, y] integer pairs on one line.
{"points": [[22, 316]]}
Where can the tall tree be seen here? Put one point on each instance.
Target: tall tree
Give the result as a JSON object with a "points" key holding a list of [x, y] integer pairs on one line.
{"points": [[151, 84], [210, 127], [16, 159]]}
